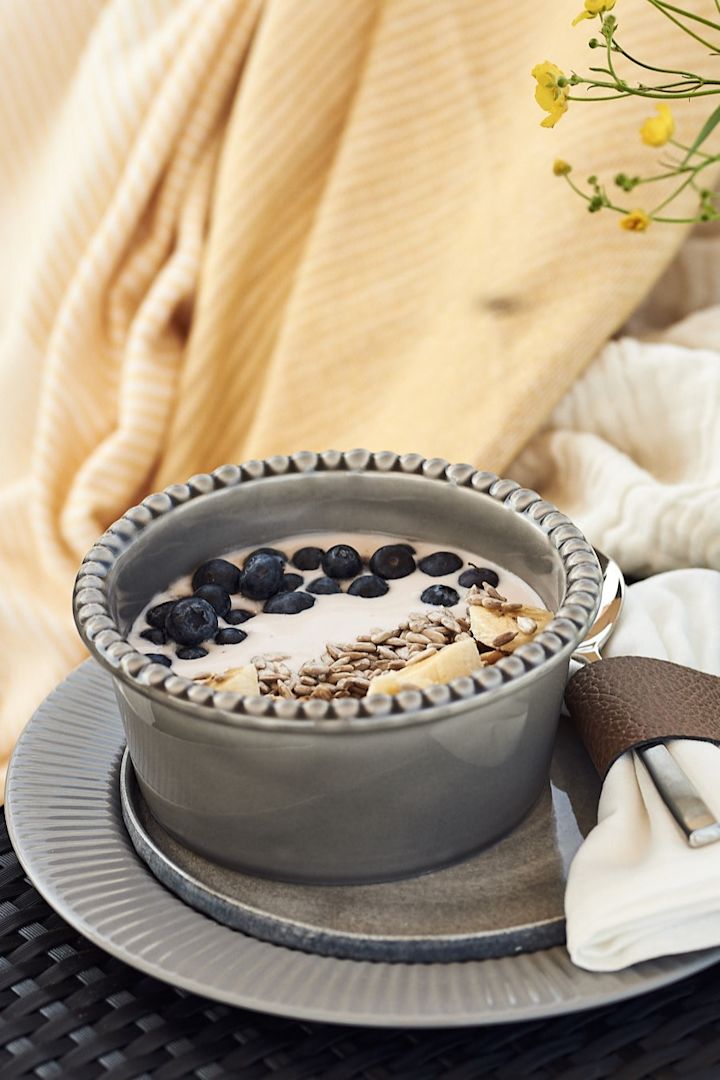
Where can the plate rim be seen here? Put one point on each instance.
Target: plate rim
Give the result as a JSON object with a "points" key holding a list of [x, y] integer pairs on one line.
{"points": [[675, 967]]}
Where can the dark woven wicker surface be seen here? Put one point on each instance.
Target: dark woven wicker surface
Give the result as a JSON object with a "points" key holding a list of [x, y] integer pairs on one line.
{"points": [[69, 1010]]}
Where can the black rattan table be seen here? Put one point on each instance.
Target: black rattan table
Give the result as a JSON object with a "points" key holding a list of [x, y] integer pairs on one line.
{"points": [[69, 1010]]}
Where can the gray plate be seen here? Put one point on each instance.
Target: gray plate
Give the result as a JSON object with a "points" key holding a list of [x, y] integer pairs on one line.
{"points": [[505, 900], [66, 825]]}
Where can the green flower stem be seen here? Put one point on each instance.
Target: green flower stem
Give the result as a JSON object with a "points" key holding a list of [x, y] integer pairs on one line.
{"points": [[663, 71], [686, 149], [660, 7], [686, 13], [680, 220], [686, 181], [588, 198], [576, 189], [608, 43], [666, 176], [600, 97], [637, 92]]}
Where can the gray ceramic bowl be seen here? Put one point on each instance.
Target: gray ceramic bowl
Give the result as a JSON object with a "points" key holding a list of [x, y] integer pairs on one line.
{"points": [[349, 790]]}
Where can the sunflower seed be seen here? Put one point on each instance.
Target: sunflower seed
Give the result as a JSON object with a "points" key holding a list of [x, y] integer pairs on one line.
{"points": [[503, 639], [526, 625], [424, 655], [318, 670], [492, 657], [493, 592]]}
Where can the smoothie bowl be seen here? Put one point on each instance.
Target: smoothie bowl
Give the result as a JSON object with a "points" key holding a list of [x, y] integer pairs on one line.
{"points": [[339, 667]]}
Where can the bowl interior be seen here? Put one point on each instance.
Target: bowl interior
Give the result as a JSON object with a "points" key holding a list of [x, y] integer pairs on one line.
{"points": [[412, 507]]}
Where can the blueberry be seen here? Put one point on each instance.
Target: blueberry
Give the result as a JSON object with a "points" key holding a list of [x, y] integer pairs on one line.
{"points": [[308, 558], [155, 635], [217, 572], [291, 582], [478, 575], [342, 561], [262, 576], [217, 597], [368, 585], [323, 586], [193, 652], [191, 621], [393, 561], [440, 563], [288, 603], [158, 658], [265, 551], [442, 595], [230, 636], [239, 615], [157, 615]]}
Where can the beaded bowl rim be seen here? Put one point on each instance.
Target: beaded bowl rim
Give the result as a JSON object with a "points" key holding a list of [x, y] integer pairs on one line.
{"points": [[97, 628]]}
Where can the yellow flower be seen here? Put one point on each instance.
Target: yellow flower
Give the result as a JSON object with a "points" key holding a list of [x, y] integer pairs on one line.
{"points": [[635, 221], [561, 168], [549, 96], [593, 8], [656, 130]]}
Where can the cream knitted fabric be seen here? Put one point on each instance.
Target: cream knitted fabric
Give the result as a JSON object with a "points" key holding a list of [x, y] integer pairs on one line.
{"points": [[632, 453]]}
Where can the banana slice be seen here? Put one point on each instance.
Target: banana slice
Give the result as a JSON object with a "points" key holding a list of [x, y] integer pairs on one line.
{"points": [[490, 625], [242, 680], [460, 658]]}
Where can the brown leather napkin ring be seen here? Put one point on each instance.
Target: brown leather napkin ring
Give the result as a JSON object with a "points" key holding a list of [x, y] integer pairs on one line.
{"points": [[632, 701]]}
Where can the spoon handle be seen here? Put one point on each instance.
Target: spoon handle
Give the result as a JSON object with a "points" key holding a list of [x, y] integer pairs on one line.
{"points": [[677, 792]]}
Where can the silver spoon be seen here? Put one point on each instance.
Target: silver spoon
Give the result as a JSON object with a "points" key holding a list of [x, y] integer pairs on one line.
{"points": [[674, 786]]}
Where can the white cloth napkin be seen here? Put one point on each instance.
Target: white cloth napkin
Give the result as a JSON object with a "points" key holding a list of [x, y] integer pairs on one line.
{"points": [[636, 890]]}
